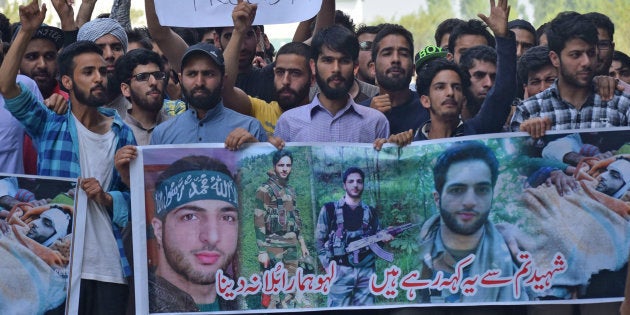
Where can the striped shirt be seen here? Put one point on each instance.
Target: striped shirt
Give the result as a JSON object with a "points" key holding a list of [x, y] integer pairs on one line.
{"points": [[314, 123], [595, 113], [56, 138]]}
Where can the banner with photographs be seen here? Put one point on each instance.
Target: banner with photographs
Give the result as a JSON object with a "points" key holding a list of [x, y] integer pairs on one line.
{"points": [[502, 219], [37, 221]]}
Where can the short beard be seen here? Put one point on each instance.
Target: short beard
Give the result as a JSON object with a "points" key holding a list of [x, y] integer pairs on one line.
{"points": [[205, 102], [287, 103], [334, 93], [451, 222], [393, 84], [175, 259], [143, 103], [90, 99]]}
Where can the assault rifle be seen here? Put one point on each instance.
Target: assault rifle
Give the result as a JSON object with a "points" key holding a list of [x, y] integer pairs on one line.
{"points": [[372, 240]]}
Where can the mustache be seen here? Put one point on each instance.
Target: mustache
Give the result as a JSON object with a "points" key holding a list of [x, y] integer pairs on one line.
{"points": [[97, 86], [336, 77]]}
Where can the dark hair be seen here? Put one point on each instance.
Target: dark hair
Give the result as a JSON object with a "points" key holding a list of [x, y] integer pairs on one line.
{"points": [[523, 25], [352, 170], [567, 26], [481, 53], [65, 59], [389, 29], [471, 27], [193, 163], [280, 154], [464, 151], [446, 27], [189, 35], [343, 19], [540, 31], [621, 57], [140, 35], [431, 69], [297, 48], [369, 29], [532, 60], [5, 28], [602, 21], [124, 65], [336, 38]]}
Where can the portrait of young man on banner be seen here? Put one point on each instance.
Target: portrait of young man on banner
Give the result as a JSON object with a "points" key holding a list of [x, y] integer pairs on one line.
{"points": [[194, 224], [475, 221], [36, 235]]}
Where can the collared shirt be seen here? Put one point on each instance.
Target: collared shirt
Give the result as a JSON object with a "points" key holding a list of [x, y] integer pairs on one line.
{"points": [[143, 135], [595, 113], [462, 129], [213, 128], [58, 150], [314, 123], [56, 135]]}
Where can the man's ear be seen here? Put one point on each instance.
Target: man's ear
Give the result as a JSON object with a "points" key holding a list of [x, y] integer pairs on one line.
{"points": [[425, 101], [555, 59], [66, 81], [436, 199], [157, 230], [125, 89]]}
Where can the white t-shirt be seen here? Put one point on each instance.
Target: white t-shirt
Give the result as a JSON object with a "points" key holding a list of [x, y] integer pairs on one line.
{"points": [[101, 259]]}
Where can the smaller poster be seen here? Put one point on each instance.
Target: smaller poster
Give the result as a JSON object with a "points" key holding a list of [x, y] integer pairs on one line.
{"points": [[36, 237]]}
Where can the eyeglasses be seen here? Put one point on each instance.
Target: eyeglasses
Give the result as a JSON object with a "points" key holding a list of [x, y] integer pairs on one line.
{"points": [[365, 46], [604, 44], [144, 76]]}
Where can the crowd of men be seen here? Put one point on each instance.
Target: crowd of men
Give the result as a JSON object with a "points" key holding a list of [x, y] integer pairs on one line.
{"points": [[77, 99]]}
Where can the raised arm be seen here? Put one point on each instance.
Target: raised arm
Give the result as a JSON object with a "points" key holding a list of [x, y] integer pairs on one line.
{"points": [[171, 44], [324, 18], [243, 15], [496, 107], [85, 12], [31, 17], [66, 14]]}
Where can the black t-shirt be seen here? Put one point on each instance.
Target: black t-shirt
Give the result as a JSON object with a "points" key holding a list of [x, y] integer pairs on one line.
{"points": [[258, 83]]}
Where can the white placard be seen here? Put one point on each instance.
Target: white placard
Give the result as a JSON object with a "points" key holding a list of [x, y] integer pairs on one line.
{"points": [[209, 13]]}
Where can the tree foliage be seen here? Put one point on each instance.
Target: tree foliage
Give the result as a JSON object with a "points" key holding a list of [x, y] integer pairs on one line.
{"points": [[422, 23]]}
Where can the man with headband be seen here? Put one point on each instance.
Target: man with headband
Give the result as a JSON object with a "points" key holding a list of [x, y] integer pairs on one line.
{"points": [[196, 229]]}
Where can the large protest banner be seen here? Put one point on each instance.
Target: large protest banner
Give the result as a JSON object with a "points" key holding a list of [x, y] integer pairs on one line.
{"points": [[212, 13], [37, 228], [255, 229]]}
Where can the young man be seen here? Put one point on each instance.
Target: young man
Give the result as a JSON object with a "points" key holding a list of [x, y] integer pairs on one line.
{"points": [[80, 143], [443, 32], [197, 235], [620, 67], [333, 116], [480, 63], [470, 34], [605, 42], [111, 38], [292, 75], [365, 35], [206, 120], [441, 85], [142, 80], [535, 71], [571, 102], [392, 53], [351, 286], [525, 35], [40, 60], [278, 224], [465, 175]]}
